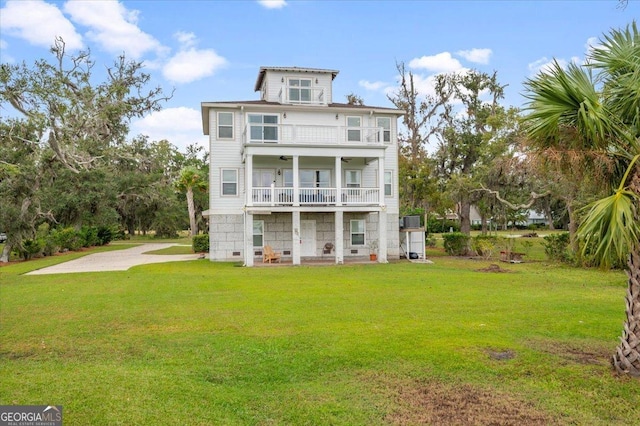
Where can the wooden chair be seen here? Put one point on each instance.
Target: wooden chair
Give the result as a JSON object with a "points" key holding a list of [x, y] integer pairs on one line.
{"points": [[269, 255]]}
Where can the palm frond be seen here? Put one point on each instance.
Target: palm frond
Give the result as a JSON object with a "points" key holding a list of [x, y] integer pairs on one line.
{"points": [[610, 229], [565, 110]]}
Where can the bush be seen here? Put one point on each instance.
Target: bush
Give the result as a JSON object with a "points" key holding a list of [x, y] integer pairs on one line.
{"points": [[484, 245], [30, 248], [437, 226], [456, 243], [200, 243], [431, 242], [69, 239], [105, 235], [89, 236], [556, 247]]}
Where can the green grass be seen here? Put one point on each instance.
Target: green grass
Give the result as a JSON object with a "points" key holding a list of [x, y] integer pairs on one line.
{"points": [[206, 343]]}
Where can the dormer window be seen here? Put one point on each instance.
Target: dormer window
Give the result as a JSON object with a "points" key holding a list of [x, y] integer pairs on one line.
{"points": [[300, 90]]}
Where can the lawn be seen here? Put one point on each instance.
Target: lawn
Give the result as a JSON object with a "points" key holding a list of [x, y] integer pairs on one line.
{"points": [[204, 343]]}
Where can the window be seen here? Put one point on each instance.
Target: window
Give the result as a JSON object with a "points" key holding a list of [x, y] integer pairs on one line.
{"points": [[353, 178], [225, 125], [288, 178], [385, 123], [357, 232], [263, 128], [263, 178], [388, 183], [299, 90], [315, 178], [258, 233], [353, 135], [229, 182]]}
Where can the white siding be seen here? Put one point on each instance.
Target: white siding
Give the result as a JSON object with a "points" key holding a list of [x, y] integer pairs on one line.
{"points": [[273, 83]]}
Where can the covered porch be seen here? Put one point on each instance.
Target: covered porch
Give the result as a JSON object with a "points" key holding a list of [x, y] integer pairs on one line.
{"points": [[312, 236]]}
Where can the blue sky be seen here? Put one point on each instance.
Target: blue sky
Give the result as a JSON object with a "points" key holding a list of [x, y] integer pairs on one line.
{"points": [[212, 50]]}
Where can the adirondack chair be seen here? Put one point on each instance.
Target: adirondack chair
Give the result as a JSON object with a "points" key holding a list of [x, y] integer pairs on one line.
{"points": [[269, 255]]}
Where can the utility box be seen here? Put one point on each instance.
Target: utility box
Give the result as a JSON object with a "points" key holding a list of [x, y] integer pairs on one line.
{"points": [[411, 222]]}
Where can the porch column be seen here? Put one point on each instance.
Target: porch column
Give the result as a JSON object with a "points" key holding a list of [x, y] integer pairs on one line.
{"points": [[382, 235], [295, 237], [338, 168], [339, 246], [248, 180], [381, 181], [248, 239], [296, 184]]}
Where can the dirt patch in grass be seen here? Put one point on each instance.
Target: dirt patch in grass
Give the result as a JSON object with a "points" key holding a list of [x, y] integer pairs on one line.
{"points": [[493, 268], [440, 404], [585, 354]]}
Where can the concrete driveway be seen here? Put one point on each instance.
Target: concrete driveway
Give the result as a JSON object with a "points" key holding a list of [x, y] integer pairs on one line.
{"points": [[118, 260]]}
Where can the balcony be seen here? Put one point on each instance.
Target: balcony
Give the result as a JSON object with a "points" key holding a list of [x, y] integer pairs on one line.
{"points": [[285, 196], [302, 95], [312, 134]]}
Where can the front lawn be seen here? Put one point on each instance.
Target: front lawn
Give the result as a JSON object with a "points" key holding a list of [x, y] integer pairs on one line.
{"points": [[205, 343]]}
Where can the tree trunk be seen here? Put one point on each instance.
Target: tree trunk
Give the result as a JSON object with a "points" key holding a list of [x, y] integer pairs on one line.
{"points": [[6, 251], [573, 229], [626, 360], [192, 212], [465, 216]]}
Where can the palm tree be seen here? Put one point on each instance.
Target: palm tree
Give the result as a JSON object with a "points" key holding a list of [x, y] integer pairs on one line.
{"points": [[595, 109], [191, 178]]}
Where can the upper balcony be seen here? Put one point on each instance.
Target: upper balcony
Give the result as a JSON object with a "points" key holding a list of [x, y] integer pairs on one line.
{"points": [[295, 94], [272, 133]]}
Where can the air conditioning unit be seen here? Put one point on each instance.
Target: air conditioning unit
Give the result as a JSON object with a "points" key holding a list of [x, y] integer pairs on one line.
{"points": [[411, 222]]}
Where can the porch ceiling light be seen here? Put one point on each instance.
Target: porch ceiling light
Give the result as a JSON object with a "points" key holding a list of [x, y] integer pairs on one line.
{"points": [[283, 158]]}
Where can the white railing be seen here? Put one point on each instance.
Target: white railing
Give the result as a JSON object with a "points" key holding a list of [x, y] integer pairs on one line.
{"points": [[280, 196], [319, 135], [301, 95]]}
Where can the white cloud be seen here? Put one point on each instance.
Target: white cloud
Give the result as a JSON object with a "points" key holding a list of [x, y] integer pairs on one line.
{"points": [[373, 86], [545, 64], [39, 23], [273, 4], [113, 27], [185, 39], [180, 126], [478, 56], [439, 63]]}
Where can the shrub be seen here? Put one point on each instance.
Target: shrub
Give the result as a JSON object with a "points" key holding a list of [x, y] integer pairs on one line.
{"points": [[484, 245], [456, 243], [431, 242], [89, 236], [30, 248], [105, 235], [200, 243], [69, 239], [556, 247]]}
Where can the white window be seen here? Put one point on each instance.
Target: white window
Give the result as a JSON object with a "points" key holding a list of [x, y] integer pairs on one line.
{"points": [[263, 178], [353, 129], [225, 125], [258, 233], [288, 178], [385, 123], [263, 127], [315, 178], [356, 228], [388, 183], [229, 182], [299, 90], [353, 178]]}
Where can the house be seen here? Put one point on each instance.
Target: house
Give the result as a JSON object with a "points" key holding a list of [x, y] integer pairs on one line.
{"points": [[298, 172]]}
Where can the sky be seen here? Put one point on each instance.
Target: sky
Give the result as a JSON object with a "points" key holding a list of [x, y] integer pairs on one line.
{"points": [[208, 51]]}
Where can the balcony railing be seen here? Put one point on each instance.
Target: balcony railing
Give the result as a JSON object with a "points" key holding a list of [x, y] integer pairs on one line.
{"points": [[312, 134], [284, 196], [302, 95]]}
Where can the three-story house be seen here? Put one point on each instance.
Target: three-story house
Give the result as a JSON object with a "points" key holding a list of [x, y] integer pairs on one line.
{"points": [[294, 170]]}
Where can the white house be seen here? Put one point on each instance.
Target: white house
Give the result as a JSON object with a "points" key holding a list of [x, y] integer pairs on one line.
{"points": [[303, 174]]}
